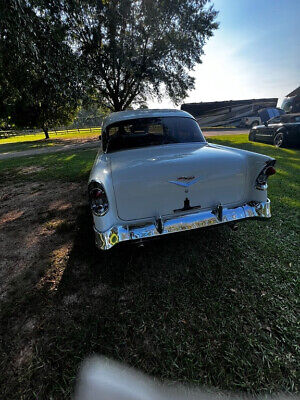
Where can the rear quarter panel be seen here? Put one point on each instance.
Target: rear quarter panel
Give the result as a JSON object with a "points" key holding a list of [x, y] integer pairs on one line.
{"points": [[255, 163]]}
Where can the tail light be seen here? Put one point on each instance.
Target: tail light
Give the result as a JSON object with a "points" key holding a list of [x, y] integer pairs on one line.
{"points": [[270, 171], [261, 180], [98, 199]]}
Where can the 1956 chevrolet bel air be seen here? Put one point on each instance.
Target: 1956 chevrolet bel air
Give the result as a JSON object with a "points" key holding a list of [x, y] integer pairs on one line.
{"points": [[156, 175]]}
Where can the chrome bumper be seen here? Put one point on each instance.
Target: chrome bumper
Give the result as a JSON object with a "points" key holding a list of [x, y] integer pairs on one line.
{"points": [[201, 219]]}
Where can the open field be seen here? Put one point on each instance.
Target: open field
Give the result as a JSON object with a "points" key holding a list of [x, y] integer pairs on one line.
{"points": [[208, 132], [32, 142], [210, 307], [73, 166], [35, 142]]}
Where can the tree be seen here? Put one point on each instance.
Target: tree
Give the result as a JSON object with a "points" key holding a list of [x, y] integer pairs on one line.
{"points": [[136, 49], [89, 116], [121, 52], [54, 92], [40, 84], [14, 32]]}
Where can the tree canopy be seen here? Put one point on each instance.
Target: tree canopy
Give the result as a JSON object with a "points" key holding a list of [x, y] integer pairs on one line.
{"points": [[136, 49], [39, 72], [56, 54]]}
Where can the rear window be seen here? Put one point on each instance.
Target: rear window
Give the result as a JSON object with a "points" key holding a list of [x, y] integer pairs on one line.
{"points": [[143, 132]]}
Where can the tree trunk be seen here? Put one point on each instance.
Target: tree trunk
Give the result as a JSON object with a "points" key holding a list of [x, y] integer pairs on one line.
{"points": [[117, 105], [46, 133]]}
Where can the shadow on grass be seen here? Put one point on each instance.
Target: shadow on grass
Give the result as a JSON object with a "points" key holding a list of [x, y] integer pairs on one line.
{"points": [[210, 307], [194, 308], [71, 166], [128, 260], [54, 140], [31, 145]]}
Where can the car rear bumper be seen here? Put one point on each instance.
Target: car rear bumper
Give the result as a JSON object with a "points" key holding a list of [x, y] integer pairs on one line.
{"points": [[163, 226]]}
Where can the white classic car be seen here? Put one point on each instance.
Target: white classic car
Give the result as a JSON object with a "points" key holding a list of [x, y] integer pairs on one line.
{"points": [[156, 174]]}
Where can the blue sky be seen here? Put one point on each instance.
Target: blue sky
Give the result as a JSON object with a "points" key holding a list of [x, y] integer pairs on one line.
{"points": [[254, 53]]}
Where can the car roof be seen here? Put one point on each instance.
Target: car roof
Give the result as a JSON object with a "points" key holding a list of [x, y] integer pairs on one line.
{"points": [[288, 117], [133, 114], [292, 115]]}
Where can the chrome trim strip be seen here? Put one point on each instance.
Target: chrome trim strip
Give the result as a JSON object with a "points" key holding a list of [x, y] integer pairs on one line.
{"points": [[120, 233]]}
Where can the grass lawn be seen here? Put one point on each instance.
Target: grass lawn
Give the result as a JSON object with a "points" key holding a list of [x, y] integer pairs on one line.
{"points": [[210, 307], [31, 142], [70, 166]]}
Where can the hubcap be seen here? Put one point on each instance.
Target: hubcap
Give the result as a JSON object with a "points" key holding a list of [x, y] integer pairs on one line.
{"points": [[279, 140]]}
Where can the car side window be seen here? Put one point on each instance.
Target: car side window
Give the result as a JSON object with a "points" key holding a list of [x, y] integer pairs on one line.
{"points": [[274, 120], [297, 119]]}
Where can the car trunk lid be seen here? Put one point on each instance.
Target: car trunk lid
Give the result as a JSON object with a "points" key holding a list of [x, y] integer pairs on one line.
{"points": [[163, 180]]}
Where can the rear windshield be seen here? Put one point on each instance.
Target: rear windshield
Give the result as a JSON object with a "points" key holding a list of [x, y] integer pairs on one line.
{"points": [[143, 132]]}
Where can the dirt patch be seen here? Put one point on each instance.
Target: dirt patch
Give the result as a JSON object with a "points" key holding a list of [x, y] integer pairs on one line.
{"points": [[36, 224], [64, 141], [29, 170], [38, 227]]}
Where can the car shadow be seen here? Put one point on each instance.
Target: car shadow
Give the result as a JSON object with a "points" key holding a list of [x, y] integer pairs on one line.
{"points": [[172, 308], [120, 265]]}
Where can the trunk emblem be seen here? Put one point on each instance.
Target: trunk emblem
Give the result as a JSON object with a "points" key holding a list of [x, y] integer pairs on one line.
{"points": [[186, 181]]}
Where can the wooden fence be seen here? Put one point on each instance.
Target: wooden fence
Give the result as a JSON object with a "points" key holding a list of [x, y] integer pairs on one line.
{"points": [[58, 131]]}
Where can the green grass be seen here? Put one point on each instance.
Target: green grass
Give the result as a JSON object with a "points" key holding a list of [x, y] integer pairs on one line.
{"points": [[210, 307], [73, 166], [31, 142]]}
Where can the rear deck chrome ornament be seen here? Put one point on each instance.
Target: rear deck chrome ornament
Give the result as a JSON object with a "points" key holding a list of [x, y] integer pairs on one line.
{"points": [[185, 178], [186, 181]]}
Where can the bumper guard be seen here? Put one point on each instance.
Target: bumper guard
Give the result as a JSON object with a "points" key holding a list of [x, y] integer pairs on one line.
{"points": [[162, 226]]}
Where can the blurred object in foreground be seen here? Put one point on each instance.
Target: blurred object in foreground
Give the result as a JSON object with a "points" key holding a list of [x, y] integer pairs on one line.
{"points": [[102, 379]]}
